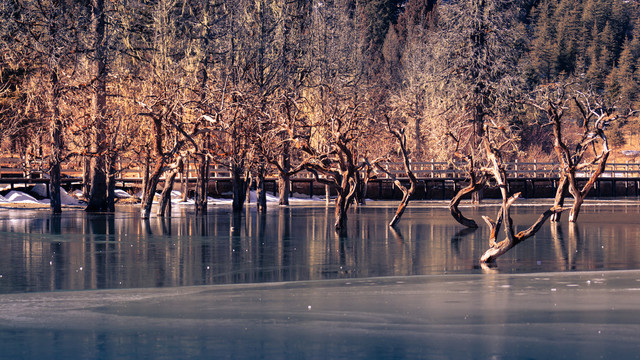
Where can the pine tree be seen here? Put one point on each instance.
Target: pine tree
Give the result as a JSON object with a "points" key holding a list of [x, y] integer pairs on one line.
{"points": [[595, 73], [621, 85], [568, 31], [543, 53]]}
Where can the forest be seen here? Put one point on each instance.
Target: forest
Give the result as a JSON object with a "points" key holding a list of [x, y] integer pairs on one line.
{"points": [[336, 88]]}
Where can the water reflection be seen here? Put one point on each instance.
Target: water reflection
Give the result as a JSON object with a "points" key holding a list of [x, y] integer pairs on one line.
{"points": [[41, 252]]}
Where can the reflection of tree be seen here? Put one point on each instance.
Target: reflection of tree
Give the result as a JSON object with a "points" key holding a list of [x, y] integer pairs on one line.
{"points": [[404, 261], [165, 223], [147, 226], [565, 249], [57, 261], [455, 239], [397, 234], [284, 235]]}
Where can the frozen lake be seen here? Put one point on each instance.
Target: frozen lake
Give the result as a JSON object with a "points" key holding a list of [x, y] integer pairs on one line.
{"points": [[78, 251], [283, 285]]}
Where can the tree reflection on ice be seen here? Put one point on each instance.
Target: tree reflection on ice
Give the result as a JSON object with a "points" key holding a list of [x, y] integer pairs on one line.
{"points": [[40, 252]]}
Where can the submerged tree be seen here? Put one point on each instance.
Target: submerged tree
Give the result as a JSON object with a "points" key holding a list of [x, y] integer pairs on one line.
{"points": [[99, 192], [471, 76], [494, 149], [407, 192], [589, 151], [46, 46]]}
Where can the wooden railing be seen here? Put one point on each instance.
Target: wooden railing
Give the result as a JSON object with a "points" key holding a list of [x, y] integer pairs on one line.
{"points": [[14, 168], [514, 170]]}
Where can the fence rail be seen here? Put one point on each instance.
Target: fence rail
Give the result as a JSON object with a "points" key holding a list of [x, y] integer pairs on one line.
{"points": [[12, 168], [438, 180]]}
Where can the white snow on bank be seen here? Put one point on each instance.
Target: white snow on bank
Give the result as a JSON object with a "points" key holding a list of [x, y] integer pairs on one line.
{"points": [[21, 197], [120, 194], [65, 198]]}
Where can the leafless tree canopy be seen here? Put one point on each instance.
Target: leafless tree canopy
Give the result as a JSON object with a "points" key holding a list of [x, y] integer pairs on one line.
{"points": [[334, 88]]}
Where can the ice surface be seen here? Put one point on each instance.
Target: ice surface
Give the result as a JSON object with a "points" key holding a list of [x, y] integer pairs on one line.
{"points": [[591, 315]]}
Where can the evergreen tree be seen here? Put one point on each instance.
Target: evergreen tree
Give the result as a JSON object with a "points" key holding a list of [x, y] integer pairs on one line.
{"points": [[544, 50]]}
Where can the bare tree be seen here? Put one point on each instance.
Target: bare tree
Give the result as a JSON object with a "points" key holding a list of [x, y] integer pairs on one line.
{"points": [[48, 52], [495, 166], [98, 196], [401, 139], [590, 145]]}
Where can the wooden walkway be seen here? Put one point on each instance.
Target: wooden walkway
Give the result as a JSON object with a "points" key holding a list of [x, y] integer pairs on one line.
{"points": [[438, 180]]}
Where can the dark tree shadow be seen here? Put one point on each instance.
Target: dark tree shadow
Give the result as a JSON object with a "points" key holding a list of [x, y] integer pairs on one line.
{"points": [[460, 235]]}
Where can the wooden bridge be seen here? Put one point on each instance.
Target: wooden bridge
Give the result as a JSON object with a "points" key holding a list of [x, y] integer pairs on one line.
{"points": [[437, 180]]}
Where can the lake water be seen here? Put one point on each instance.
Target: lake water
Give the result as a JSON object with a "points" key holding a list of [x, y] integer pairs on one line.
{"points": [[78, 251], [283, 286]]}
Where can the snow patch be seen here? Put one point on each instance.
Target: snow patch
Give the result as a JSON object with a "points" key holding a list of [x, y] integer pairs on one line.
{"points": [[22, 198], [121, 194]]}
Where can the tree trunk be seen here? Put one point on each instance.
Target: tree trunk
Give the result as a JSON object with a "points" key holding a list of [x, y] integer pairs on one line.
{"points": [[340, 212], [111, 184], [473, 188], [575, 209], [502, 247], [184, 181], [56, 142], [406, 196], [164, 205], [98, 192], [284, 186], [561, 192], [239, 188], [504, 214], [580, 194], [86, 177], [346, 195], [284, 180], [261, 195], [150, 190], [202, 185], [145, 176], [54, 188]]}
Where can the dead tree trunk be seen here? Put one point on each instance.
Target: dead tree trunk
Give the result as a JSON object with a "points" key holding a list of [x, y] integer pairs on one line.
{"points": [[184, 181], [145, 175], [239, 187], [150, 189], [406, 192], [56, 147], [497, 249], [154, 178], [401, 138], [346, 194], [595, 118], [261, 195], [86, 176], [111, 181], [476, 183], [202, 185], [561, 192], [284, 179], [98, 192], [164, 205], [580, 194]]}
